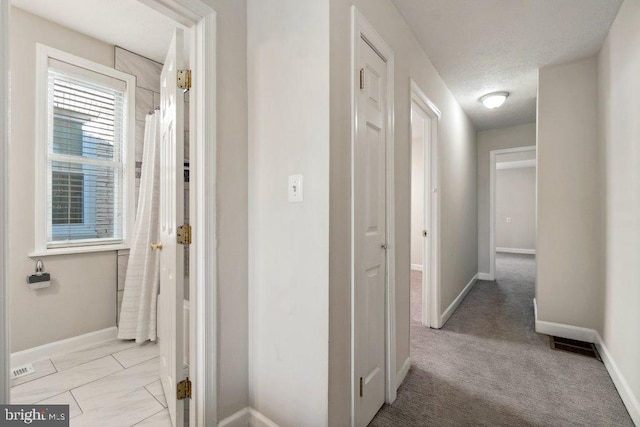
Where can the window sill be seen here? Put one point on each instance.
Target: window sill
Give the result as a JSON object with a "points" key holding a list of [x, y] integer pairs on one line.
{"points": [[77, 250]]}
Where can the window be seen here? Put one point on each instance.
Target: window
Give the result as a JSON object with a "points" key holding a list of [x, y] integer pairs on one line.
{"points": [[85, 145]]}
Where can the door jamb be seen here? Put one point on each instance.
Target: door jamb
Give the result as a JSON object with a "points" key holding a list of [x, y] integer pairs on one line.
{"points": [[362, 29], [201, 19], [431, 285], [492, 202]]}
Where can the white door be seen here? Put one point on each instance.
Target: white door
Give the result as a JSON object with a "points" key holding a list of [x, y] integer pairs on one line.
{"points": [[370, 235], [171, 301], [422, 198]]}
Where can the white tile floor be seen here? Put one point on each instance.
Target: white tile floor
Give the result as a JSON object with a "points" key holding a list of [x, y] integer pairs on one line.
{"points": [[115, 383]]}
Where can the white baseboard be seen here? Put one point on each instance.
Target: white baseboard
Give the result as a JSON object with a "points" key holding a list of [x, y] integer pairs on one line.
{"points": [[242, 418], [58, 348], [630, 400], [456, 302], [259, 420], [517, 251], [562, 330], [484, 276], [247, 417], [402, 374], [416, 267]]}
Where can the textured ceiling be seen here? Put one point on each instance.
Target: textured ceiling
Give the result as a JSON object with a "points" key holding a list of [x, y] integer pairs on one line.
{"points": [[482, 46], [126, 23]]}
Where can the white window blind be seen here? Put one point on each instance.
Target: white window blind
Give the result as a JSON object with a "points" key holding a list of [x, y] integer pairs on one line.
{"points": [[86, 157]]}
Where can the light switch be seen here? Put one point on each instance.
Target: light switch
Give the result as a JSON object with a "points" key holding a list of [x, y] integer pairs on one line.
{"points": [[508, 219], [295, 189]]}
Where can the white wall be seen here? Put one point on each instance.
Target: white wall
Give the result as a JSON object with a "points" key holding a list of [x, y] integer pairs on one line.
{"points": [[82, 297], [619, 101], [516, 200], [232, 205], [457, 157], [569, 266], [488, 140], [417, 188], [288, 75]]}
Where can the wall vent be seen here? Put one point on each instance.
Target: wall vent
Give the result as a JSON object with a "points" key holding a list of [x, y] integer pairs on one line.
{"points": [[21, 371], [573, 346]]}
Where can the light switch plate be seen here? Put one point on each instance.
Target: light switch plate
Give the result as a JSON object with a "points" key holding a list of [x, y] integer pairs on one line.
{"points": [[295, 189]]}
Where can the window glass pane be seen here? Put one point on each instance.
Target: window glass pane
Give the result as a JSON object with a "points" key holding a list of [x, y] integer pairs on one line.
{"points": [[85, 119], [68, 198], [84, 202], [67, 135]]}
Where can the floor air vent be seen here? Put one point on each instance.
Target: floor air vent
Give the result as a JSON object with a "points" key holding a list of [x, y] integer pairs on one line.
{"points": [[572, 346], [21, 371]]}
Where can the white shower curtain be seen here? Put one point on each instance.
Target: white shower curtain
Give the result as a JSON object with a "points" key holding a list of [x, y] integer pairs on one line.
{"points": [[139, 303]]}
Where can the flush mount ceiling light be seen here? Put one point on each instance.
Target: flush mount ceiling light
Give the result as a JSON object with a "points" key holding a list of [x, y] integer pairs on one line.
{"points": [[494, 100]]}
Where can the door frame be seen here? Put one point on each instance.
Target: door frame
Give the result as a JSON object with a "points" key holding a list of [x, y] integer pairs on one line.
{"points": [[492, 201], [431, 204], [201, 21], [362, 29]]}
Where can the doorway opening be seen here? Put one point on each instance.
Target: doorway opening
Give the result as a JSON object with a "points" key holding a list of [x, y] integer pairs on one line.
{"points": [[425, 275], [96, 134], [513, 211]]}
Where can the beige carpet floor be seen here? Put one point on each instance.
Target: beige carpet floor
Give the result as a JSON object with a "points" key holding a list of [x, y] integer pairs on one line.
{"points": [[488, 367]]}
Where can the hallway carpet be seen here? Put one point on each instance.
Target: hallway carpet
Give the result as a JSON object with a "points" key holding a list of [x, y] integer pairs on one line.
{"points": [[488, 367]]}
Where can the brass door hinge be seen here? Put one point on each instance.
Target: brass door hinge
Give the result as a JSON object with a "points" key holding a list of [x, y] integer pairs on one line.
{"points": [[361, 78], [361, 387], [184, 389], [184, 79], [184, 234]]}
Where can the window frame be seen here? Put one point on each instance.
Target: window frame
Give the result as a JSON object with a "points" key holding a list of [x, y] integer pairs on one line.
{"points": [[42, 246]]}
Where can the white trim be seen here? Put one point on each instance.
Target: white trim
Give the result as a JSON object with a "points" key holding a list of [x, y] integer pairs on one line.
{"points": [[565, 331], [402, 373], [203, 284], [259, 420], [61, 347], [41, 246], [516, 164], [562, 330], [77, 250], [247, 417], [630, 400], [516, 251], [362, 29], [431, 208], [186, 12], [242, 418], [492, 202], [416, 267], [4, 151], [456, 302], [484, 276]]}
